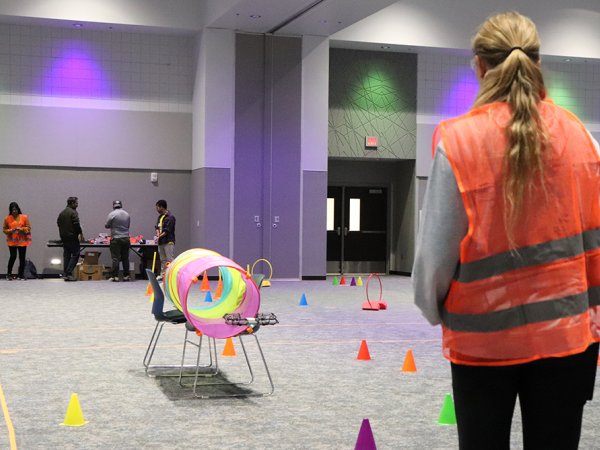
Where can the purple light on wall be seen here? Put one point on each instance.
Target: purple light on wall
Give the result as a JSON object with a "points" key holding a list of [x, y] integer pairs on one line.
{"points": [[460, 96], [74, 72]]}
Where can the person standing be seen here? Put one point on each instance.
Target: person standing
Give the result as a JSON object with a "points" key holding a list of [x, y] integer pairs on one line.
{"points": [[118, 221], [507, 253], [71, 234], [18, 237], [165, 235]]}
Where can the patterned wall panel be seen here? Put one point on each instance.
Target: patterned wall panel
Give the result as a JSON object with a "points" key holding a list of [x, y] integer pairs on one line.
{"points": [[372, 94], [94, 69]]}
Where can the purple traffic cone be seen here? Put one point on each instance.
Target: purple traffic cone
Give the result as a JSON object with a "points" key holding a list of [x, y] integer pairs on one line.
{"points": [[365, 440]]}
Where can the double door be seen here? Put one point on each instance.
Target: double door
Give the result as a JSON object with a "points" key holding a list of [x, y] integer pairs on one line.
{"points": [[357, 229]]}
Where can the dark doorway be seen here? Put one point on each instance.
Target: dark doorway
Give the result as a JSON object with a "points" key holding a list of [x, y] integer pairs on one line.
{"points": [[356, 229]]}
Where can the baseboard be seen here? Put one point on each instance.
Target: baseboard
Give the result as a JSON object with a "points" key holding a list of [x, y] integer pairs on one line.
{"points": [[398, 272], [313, 277]]}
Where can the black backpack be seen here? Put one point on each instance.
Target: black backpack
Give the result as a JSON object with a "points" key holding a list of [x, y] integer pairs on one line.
{"points": [[30, 272]]}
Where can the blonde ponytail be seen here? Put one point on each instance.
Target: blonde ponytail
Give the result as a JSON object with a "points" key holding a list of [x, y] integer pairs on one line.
{"points": [[508, 44]]}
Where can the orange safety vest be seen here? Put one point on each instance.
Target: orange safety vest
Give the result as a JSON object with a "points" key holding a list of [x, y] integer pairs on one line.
{"points": [[542, 300], [17, 238]]}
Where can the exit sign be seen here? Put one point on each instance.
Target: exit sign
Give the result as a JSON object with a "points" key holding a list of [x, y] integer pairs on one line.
{"points": [[371, 142]]}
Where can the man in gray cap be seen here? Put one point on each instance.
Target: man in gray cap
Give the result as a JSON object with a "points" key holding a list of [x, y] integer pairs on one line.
{"points": [[118, 221]]}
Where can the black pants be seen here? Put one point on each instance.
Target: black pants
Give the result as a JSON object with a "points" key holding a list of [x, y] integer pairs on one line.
{"points": [[70, 255], [552, 393], [119, 251], [22, 250]]}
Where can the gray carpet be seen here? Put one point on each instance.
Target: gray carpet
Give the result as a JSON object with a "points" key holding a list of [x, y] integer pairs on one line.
{"points": [[89, 338]]}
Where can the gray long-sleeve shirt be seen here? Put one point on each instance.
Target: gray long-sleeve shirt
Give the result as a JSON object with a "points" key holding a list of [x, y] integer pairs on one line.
{"points": [[118, 221], [442, 227]]}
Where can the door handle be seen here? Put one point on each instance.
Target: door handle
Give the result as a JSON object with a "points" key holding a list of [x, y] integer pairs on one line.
{"points": [[338, 231], [345, 231]]}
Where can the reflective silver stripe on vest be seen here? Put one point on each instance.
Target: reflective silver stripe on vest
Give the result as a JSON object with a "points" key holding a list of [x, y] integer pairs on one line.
{"points": [[522, 315], [532, 255]]}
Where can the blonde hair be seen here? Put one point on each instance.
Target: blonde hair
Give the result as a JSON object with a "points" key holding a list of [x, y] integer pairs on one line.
{"points": [[509, 46]]}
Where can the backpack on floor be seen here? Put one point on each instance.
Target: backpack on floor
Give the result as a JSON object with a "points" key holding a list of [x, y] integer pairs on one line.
{"points": [[30, 272]]}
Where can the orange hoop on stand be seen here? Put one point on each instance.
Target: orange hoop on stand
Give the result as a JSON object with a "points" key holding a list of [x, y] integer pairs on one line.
{"points": [[374, 305]]}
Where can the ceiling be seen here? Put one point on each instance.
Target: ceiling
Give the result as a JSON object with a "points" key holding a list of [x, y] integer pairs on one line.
{"points": [[413, 26], [290, 17]]}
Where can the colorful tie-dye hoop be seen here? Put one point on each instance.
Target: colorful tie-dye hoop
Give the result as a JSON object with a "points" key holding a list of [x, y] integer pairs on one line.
{"points": [[240, 293]]}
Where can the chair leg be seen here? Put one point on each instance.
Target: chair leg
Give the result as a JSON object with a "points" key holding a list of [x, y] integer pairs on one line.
{"points": [[262, 355], [150, 353], [247, 362], [245, 394], [197, 366], [152, 345]]}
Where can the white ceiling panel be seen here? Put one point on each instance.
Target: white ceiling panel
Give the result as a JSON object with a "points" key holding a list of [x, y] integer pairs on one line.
{"points": [[295, 17]]}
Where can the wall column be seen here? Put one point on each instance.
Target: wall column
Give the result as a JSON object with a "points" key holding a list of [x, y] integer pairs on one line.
{"points": [[211, 205], [314, 137]]}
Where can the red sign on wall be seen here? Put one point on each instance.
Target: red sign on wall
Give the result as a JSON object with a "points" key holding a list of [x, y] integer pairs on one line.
{"points": [[371, 142]]}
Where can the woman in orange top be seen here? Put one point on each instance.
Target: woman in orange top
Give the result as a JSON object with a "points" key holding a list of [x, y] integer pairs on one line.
{"points": [[18, 237]]}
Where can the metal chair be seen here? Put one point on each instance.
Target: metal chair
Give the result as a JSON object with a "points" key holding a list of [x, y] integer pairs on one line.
{"points": [[174, 317], [252, 327]]}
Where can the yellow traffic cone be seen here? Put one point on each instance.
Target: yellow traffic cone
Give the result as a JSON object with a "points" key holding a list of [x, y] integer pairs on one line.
{"points": [[74, 415]]}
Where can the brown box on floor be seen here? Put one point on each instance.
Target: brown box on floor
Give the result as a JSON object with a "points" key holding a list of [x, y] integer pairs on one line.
{"points": [[90, 272], [91, 258]]}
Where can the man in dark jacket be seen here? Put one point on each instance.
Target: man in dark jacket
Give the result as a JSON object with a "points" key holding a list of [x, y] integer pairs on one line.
{"points": [[71, 234], [165, 235]]}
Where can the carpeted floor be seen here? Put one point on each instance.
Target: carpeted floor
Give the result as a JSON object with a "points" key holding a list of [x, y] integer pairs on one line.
{"points": [[89, 338]]}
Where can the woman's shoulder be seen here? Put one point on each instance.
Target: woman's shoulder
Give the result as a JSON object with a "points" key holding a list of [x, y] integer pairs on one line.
{"points": [[476, 115]]}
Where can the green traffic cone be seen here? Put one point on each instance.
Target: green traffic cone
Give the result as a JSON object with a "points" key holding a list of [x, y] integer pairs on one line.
{"points": [[447, 414], [336, 281]]}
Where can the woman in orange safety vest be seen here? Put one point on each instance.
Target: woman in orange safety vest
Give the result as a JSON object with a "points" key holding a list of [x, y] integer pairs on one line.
{"points": [[18, 237], [508, 253]]}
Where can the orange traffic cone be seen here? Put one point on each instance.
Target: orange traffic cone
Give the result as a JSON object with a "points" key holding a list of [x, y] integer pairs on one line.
{"points": [[148, 290], [409, 363], [219, 290], [205, 286], [228, 350], [363, 352]]}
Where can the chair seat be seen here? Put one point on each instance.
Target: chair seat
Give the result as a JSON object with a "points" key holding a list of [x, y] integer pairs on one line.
{"points": [[174, 316]]}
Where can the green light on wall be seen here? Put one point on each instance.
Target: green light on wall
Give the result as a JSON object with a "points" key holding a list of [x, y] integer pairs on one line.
{"points": [[559, 93], [376, 91]]}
